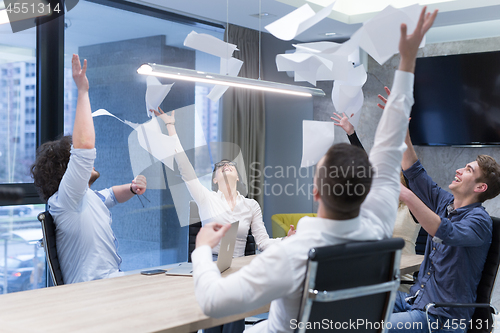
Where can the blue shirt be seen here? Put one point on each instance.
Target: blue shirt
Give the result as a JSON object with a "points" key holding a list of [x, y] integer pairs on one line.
{"points": [[86, 244], [455, 256]]}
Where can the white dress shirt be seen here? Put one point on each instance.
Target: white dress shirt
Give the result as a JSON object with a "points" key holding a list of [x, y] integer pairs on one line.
{"points": [[214, 207], [277, 275], [86, 244]]}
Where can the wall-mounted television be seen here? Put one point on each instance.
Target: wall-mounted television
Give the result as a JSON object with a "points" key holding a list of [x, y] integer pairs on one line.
{"points": [[457, 100]]}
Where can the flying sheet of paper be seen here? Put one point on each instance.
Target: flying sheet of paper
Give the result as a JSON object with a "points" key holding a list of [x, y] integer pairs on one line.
{"points": [[347, 99], [317, 47], [305, 65], [155, 94], [161, 146], [379, 36], [102, 112], [354, 120], [317, 138], [320, 61], [298, 21], [209, 44], [231, 67], [347, 96]]}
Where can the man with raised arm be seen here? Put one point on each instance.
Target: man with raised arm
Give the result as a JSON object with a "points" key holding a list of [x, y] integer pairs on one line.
{"points": [[63, 172], [459, 231], [365, 210]]}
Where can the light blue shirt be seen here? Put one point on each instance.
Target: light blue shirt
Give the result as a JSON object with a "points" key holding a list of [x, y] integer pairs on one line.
{"points": [[86, 244]]}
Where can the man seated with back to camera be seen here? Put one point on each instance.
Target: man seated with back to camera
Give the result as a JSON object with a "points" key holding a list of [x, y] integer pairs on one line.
{"points": [[63, 172], [460, 232], [277, 275]]}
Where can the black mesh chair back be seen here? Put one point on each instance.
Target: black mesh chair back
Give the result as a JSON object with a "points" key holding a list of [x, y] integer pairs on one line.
{"points": [[195, 226], [351, 282], [49, 244], [485, 288]]}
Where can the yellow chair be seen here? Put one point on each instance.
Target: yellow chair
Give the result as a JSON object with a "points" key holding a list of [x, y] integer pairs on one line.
{"points": [[281, 222]]}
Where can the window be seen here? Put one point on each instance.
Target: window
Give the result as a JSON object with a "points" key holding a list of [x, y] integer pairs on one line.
{"points": [[22, 261], [118, 42], [24, 266]]}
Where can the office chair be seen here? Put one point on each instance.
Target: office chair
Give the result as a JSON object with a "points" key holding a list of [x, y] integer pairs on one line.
{"points": [[49, 244], [482, 319], [195, 226], [350, 282]]}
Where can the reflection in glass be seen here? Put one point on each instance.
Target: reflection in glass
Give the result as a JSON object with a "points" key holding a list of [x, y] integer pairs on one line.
{"points": [[115, 43], [17, 113], [22, 259]]}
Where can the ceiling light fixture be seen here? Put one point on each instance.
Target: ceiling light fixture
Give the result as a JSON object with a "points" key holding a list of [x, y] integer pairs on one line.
{"points": [[225, 80]]}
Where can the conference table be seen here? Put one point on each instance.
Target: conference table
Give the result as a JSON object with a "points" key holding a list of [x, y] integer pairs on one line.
{"points": [[130, 303]]}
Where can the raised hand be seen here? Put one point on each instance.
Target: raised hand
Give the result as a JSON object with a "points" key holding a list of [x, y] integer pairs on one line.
{"points": [[79, 73], [167, 118], [408, 44], [343, 121], [384, 99]]}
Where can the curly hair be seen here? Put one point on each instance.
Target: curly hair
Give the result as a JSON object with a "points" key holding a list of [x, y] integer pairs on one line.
{"points": [[51, 162]]}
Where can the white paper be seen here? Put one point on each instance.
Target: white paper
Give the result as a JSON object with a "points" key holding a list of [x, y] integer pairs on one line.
{"points": [[347, 99], [231, 67], [379, 36], [209, 44], [161, 146], [317, 62], [155, 94], [354, 120], [317, 138], [102, 112], [298, 21], [317, 47]]}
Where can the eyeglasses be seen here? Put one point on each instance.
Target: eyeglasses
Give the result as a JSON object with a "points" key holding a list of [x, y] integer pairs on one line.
{"points": [[221, 164]]}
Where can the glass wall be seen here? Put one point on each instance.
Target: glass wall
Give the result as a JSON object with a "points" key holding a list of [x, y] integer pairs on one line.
{"points": [[116, 43], [22, 260], [17, 104]]}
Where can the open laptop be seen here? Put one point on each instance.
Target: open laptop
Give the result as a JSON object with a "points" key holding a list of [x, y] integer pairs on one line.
{"points": [[224, 259]]}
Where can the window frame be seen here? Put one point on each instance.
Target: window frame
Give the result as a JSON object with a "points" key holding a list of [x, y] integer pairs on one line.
{"points": [[50, 77]]}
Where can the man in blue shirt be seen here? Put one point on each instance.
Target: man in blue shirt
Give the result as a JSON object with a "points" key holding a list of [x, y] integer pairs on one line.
{"points": [[63, 173], [459, 231]]}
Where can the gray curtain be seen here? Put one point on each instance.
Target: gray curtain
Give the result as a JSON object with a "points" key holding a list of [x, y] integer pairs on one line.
{"points": [[243, 117]]}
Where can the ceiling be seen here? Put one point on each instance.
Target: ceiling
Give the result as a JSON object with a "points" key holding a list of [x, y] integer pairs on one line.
{"points": [[458, 19]]}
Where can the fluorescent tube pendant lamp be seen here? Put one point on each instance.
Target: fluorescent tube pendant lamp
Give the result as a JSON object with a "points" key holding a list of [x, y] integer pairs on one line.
{"points": [[225, 80]]}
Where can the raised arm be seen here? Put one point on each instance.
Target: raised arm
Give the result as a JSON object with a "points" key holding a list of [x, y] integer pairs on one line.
{"points": [[387, 152], [345, 124], [75, 181], [83, 129], [188, 174], [409, 156]]}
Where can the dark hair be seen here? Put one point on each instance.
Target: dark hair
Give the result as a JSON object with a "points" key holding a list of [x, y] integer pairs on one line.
{"points": [[490, 174], [240, 186], [51, 162], [344, 179]]}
